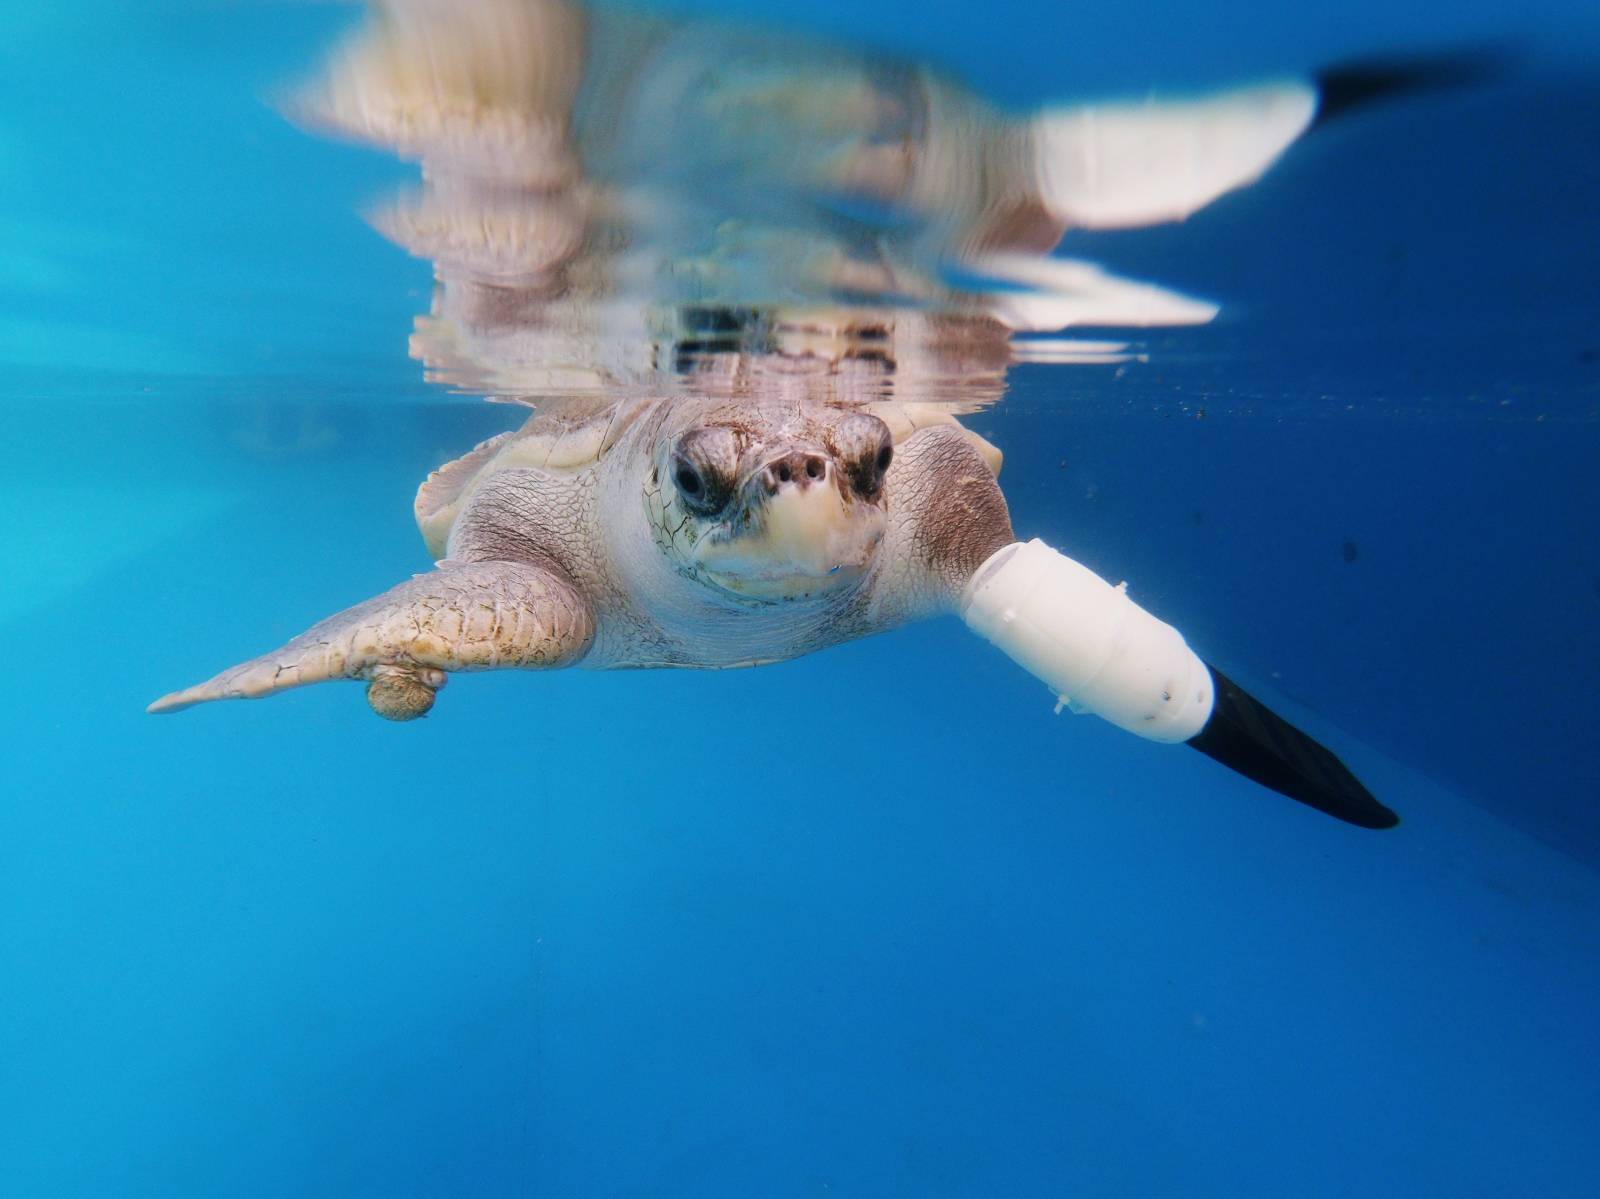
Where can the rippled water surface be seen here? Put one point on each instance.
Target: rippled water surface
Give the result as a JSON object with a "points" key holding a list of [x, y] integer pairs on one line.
{"points": [[871, 921]]}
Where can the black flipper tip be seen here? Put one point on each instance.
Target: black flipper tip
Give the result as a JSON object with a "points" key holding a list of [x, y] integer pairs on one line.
{"points": [[1355, 85], [1245, 736]]}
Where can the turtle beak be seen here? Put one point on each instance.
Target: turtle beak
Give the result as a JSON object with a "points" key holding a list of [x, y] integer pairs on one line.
{"points": [[796, 530]]}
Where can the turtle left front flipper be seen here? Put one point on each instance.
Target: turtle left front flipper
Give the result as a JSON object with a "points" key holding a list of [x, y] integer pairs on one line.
{"points": [[460, 616]]}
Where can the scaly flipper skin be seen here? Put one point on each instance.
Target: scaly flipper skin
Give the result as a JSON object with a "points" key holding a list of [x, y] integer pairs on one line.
{"points": [[462, 616], [949, 514]]}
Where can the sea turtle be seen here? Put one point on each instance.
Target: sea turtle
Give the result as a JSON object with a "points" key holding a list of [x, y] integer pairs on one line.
{"points": [[687, 531], [713, 532]]}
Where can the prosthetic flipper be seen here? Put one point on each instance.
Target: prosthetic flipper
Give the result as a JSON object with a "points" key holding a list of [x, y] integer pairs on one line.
{"points": [[1102, 653], [1247, 737], [1359, 84]]}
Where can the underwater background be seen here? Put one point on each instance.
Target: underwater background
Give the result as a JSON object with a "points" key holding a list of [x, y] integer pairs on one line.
{"points": [[873, 922]]}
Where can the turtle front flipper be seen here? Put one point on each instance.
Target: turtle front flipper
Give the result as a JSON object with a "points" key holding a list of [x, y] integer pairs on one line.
{"points": [[461, 616]]}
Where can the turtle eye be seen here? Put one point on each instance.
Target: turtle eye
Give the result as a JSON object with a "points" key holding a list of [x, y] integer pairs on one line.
{"points": [[863, 446], [874, 465], [704, 463]]}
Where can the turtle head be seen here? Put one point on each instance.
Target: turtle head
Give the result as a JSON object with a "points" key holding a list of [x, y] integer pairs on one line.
{"points": [[768, 507]]}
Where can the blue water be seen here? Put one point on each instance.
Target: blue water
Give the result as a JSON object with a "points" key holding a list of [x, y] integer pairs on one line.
{"points": [[873, 922]]}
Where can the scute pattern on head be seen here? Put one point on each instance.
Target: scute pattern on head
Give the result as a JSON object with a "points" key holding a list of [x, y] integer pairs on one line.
{"points": [[671, 528], [767, 502]]}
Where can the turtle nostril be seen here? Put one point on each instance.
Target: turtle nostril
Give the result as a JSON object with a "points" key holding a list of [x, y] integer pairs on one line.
{"points": [[800, 467]]}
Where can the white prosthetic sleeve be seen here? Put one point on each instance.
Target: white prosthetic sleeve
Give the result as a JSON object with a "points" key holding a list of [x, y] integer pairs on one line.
{"points": [[1093, 646]]}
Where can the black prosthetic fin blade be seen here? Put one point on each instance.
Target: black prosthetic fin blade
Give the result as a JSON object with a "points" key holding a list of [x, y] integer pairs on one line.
{"points": [[1366, 82], [1247, 737]]}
